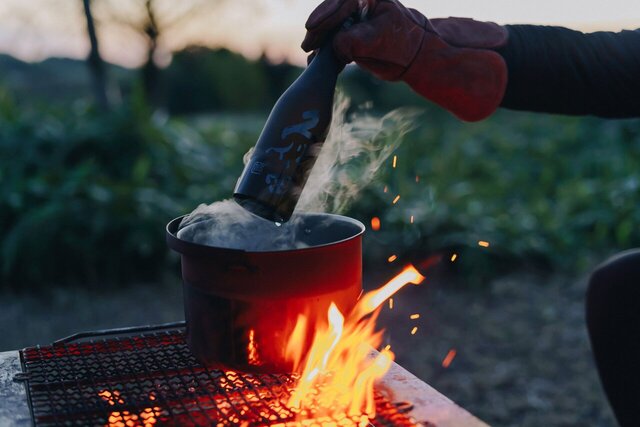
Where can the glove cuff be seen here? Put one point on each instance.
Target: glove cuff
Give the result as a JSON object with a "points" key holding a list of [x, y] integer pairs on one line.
{"points": [[468, 81]]}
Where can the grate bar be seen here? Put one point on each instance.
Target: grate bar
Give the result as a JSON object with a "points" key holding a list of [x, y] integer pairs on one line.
{"points": [[145, 376]]}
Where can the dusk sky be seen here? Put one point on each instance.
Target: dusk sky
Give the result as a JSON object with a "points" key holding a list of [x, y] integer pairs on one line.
{"points": [[36, 29]]}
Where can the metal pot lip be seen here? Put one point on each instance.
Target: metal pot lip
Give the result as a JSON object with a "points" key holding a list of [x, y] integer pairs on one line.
{"points": [[184, 246]]}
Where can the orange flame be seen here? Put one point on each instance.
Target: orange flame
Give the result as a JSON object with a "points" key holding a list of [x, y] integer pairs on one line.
{"points": [[252, 350], [338, 372]]}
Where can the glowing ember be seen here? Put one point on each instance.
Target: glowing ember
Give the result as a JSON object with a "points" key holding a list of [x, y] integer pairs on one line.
{"points": [[453, 257], [414, 330], [395, 161], [396, 199], [449, 358], [483, 243], [145, 418], [414, 316], [392, 258], [375, 223], [111, 398], [338, 372]]}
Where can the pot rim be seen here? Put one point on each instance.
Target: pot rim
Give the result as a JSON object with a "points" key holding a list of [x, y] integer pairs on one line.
{"points": [[180, 245]]}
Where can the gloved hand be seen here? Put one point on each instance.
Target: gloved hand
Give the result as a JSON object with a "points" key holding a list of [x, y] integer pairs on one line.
{"points": [[448, 61]]}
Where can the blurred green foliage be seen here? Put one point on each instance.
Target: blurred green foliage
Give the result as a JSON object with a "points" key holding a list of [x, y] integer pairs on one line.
{"points": [[200, 79], [85, 195], [551, 192]]}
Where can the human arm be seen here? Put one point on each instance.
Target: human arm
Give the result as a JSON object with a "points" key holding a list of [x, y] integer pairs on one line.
{"points": [[558, 70]]}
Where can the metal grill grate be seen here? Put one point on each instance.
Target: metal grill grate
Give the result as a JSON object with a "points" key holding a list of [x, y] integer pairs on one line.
{"points": [[152, 379]]}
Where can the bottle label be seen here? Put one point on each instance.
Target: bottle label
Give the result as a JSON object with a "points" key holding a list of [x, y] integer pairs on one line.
{"points": [[286, 159]]}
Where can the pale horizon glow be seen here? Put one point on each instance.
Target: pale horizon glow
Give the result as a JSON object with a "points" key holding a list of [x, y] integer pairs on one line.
{"points": [[38, 29]]}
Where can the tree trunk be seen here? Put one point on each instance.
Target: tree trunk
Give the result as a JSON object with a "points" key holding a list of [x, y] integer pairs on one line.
{"points": [[151, 78], [95, 62]]}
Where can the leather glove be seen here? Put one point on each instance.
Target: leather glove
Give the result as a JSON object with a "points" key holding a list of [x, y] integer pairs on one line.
{"points": [[448, 61]]}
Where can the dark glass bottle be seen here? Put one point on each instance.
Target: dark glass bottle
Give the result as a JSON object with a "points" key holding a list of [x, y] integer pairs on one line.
{"points": [[274, 177]]}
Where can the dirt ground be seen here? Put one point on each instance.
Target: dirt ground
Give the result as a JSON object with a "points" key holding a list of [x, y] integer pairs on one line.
{"points": [[522, 356], [522, 353]]}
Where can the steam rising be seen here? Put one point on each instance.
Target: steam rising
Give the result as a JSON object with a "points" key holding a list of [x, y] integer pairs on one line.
{"points": [[355, 149], [226, 224]]}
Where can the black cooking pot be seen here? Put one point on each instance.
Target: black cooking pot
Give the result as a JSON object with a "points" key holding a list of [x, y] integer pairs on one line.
{"points": [[241, 307]]}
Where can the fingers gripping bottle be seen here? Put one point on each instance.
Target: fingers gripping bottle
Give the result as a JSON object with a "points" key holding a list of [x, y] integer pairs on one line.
{"points": [[279, 166]]}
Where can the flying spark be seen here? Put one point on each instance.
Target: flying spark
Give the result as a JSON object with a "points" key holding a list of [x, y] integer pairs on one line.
{"points": [[396, 199], [449, 358], [483, 243], [375, 223], [392, 258], [395, 161], [390, 303], [453, 257], [414, 316], [411, 219], [414, 330]]}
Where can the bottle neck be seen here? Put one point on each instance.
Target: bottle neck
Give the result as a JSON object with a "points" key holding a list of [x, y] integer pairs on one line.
{"points": [[326, 60]]}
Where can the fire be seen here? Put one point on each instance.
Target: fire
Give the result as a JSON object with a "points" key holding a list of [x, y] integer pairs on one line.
{"points": [[145, 418], [337, 373], [252, 350]]}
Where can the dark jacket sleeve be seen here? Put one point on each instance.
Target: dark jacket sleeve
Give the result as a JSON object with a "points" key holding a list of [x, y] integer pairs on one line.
{"points": [[557, 70]]}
